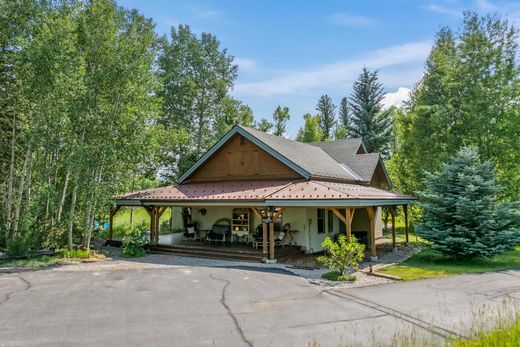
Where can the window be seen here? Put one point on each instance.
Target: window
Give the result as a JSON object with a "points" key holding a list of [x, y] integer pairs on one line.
{"points": [[321, 221], [330, 221]]}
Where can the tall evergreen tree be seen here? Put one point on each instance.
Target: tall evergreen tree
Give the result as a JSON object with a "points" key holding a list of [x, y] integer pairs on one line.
{"points": [[369, 121], [327, 112], [342, 128], [280, 117], [468, 96], [310, 132], [462, 217]]}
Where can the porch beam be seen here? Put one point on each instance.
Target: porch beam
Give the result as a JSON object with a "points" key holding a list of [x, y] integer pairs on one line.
{"points": [[280, 211], [256, 212], [339, 215]]}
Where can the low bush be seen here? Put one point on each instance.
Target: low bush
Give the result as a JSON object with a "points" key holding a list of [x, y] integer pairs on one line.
{"points": [[342, 255], [20, 244], [134, 242], [76, 253], [337, 276]]}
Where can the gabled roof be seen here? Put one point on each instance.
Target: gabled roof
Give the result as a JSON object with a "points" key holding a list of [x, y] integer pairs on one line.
{"points": [[344, 151], [307, 160]]}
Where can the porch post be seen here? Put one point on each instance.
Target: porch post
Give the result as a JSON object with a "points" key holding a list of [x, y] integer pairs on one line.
{"points": [[405, 210], [348, 220], [152, 224], [271, 240], [264, 239], [392, 213], [371, 215], [111, 221]]}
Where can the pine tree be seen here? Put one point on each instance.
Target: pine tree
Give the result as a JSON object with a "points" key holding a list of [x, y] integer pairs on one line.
{"points": [[327, 111], [462, 217], [343, 114], [369, 120], [280, 117], [310, 131]]}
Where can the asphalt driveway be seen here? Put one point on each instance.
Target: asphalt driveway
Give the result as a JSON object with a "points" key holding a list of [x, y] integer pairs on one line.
{"points": [[208, 306]]}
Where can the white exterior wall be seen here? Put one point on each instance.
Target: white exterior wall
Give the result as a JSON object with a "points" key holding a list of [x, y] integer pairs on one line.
{"points": [[302, 219]]}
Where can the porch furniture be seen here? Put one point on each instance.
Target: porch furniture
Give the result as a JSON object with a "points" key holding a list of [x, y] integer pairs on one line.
{"points": [[191, 230], [220, 232], [201, 235], [240, 224], [257, 239]]}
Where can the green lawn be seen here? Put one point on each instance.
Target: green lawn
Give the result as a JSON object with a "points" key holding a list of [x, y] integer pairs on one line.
{"points": [[508, 336], [428, 264], [122, 218]]}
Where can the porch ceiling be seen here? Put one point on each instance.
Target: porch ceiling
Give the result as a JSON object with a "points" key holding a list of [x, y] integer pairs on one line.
{"points": [[265, 193]]}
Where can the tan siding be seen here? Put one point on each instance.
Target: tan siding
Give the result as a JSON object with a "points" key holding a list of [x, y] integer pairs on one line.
{"points": [[240, 159]]}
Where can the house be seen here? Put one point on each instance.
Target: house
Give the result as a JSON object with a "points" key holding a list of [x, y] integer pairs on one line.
{"points": [[250, 178]]}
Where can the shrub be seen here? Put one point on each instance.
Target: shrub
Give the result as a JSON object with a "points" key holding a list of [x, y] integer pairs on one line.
{"points": [[342, 255], [462, 217], [20, 244], [337, 276], [54, 237], [134, 241], [76, 253]]}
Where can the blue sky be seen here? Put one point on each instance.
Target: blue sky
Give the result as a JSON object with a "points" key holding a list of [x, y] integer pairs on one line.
{"points": [[290, 52]]}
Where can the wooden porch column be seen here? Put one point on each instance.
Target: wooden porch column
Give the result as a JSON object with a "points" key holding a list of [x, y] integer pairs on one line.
{"points": [[371, 215], [392, 213], [264, 239], [271, 240], [405, 210], [111, 221]]}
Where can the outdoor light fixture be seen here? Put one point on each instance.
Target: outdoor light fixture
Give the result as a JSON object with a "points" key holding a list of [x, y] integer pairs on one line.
{"points": [[203, 211]]}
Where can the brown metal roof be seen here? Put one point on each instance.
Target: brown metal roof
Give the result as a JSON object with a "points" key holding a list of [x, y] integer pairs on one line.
{"points": [[255, 191], [234, 190]]}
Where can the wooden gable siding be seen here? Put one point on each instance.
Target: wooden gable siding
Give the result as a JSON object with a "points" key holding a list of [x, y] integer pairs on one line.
{"points": [[241, 159], [379, 178]]}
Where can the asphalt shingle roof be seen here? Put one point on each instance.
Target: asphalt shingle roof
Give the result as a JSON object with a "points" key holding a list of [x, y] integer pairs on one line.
{"points": [[312, 159]]}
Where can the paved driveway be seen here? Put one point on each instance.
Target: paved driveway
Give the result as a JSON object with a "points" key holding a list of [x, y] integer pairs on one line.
{"points": [[207, 306]]}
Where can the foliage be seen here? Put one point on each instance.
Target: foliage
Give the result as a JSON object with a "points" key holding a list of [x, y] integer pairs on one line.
{"points": [[462, 218], [75, 253], [430, 264], [368, 119], [20, 244], [338, 276], [468, 96], [505, 335], [264, 125], [342, 129], [280, 117], [311, 129], [327, 116], [196, 76], [342, 255], [134, 241], [54, 237]]}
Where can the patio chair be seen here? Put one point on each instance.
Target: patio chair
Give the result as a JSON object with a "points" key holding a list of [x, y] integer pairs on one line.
{"points": [[191, 230]]}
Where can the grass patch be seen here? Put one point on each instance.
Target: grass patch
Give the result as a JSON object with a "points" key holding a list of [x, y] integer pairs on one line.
{"points": [[400, 236], [429, 264], [62, 257], [337, 276], [507, 336]]}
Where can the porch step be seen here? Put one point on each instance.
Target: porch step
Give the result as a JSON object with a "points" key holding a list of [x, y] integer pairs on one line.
{"points": [[207, 253]]}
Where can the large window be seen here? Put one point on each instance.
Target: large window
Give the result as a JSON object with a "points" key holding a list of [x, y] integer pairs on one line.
{"points": [[321, 221]]}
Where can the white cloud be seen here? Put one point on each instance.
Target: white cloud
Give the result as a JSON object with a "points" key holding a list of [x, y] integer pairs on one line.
{"points": [[352, 20], [245, 64], [338, 75], [449, 11], [486, 5], [396, 98]]}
